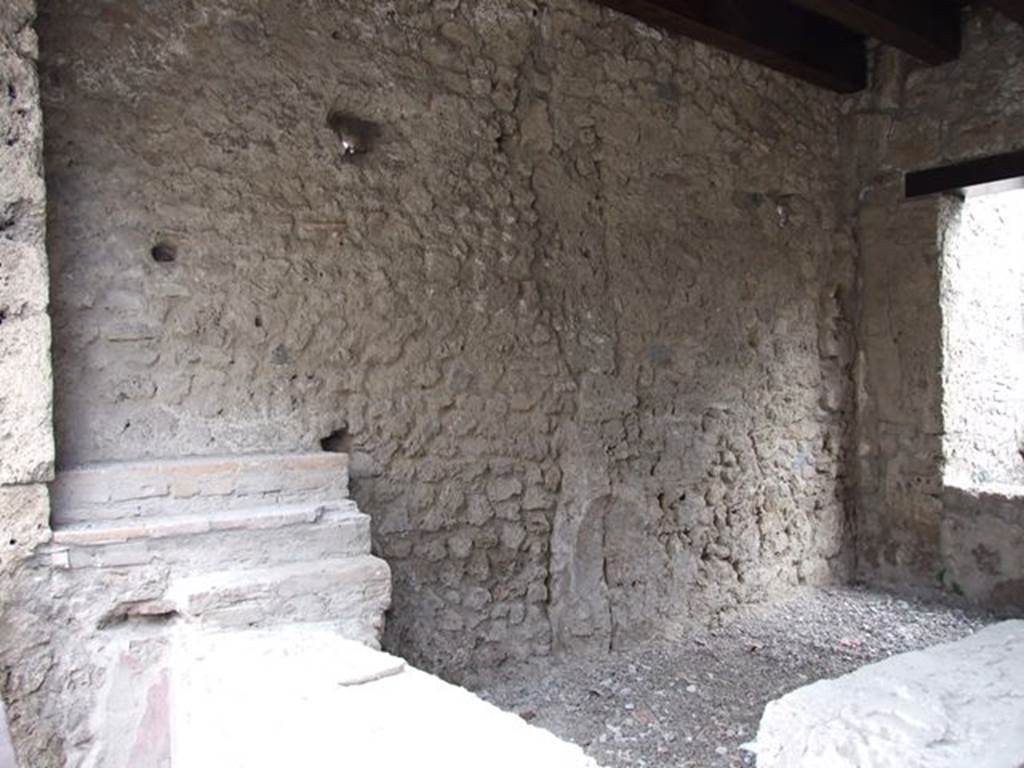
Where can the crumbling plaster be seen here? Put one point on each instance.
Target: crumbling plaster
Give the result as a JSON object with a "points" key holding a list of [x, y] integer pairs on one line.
{"points": [[579, 308], [912, 531]]}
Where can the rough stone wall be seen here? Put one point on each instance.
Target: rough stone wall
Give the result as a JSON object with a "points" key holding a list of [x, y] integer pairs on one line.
{"points": [[580, 311], [982, 293], [911, 530], [26, 434]]}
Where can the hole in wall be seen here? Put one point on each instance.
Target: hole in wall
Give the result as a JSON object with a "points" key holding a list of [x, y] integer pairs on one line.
{"points": [[164, 253], [339, 441], [355, 134]]}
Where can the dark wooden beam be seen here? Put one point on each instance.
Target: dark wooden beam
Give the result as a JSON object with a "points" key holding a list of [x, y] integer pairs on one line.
{"points": [[982, 176], [1012, 8], [772, 32], [926, 29]]}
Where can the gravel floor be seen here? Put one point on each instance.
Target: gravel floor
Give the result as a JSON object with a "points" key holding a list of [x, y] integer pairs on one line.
{"points": [[693, 700]]}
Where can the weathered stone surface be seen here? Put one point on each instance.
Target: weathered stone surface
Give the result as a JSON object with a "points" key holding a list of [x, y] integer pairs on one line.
{"points": [[911, 531], [269, 535], [945, 707], [205, 487], [25, 413], [92, 613], [24, 525], [982, 546], [34, 630], [26, 429], [24, 285], [351, 593], [581, 277], [320, 700], [585, 311]]}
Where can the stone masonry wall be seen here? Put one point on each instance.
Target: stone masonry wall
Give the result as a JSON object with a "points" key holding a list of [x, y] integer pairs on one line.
{"points": [[913, 532], [580, 313], [26, 434]]}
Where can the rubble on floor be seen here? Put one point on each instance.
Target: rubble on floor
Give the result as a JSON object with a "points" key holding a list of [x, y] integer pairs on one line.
{"points": [[695, 699]]}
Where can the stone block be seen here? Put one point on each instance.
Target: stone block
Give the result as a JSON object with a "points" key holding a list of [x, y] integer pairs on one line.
{"points": [[24, 283], [350, 593], [24, 521], [26, 404], [197, 486], [318, 699], [22, 192], [953, 705]]}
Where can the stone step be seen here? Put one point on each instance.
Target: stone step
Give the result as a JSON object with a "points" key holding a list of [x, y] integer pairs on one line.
{"points": [[351, 593], [196, 485], [260, 536]]}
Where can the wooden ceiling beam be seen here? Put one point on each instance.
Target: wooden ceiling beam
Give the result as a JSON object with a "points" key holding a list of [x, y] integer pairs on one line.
{"points": [[980, 176], [771, 32], [1012, 8], [926, 29]]}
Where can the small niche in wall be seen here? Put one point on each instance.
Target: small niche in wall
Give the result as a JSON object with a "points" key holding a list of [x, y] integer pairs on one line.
{"points": [[164, 253], [339, 441], [356, 135]]}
